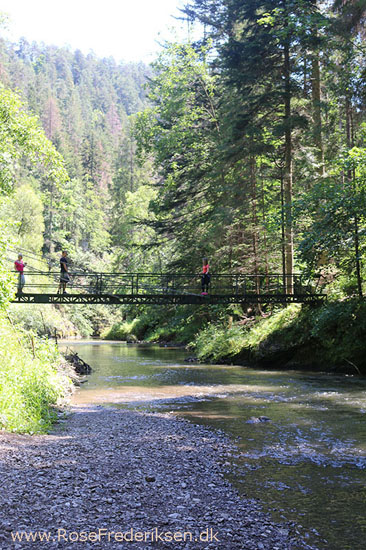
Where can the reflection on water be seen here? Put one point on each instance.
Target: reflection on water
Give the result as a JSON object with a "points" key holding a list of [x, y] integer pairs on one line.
{"points": [[307, 464]]}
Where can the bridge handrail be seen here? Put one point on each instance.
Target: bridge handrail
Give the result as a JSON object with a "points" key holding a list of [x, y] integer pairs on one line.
{"points": [[138, 283], [168, 274]]}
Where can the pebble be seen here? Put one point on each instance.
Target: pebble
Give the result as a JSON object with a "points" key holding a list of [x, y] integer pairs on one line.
{"points": [[150, 478]]}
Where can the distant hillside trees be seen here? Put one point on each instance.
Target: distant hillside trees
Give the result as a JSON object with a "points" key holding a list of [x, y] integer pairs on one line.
{"points": [[84, 105]]}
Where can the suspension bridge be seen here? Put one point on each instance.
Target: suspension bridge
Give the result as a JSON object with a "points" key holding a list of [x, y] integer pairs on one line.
{"points": [[166, 288]]}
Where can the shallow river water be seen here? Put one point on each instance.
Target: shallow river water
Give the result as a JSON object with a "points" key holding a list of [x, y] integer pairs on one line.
{"points": [[306, 464]]}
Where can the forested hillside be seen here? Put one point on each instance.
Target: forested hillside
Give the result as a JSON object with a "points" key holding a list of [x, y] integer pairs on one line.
{"points": [[86, 107]]}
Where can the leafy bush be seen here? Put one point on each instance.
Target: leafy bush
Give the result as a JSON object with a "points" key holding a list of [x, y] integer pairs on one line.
{"points": [[120, 331], [340, 328], [218, 343], [29, 384], [43, 320], [153, 323], [325, 337]]}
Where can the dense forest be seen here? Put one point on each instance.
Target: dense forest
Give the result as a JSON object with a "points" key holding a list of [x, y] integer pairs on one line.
{"points": [[257, 134], [246, 147], [86, 108]]}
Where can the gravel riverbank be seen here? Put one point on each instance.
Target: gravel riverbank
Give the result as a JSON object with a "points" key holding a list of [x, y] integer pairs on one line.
{"points": [[115, 474]]}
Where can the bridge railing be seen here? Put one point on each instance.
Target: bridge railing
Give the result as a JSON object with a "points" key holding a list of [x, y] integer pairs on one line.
{"points": [[168, 283]]}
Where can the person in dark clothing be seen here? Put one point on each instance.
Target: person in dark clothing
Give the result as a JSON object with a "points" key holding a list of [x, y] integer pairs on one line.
{"points": [[64, 275], [205, 277]]}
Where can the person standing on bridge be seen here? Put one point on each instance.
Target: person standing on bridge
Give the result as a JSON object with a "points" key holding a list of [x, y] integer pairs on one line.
{"points": [[64, 275], [205, 277], [19, 266]]}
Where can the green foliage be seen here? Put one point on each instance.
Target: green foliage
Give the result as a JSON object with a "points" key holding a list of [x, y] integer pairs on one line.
{"points": [[240, 123], [324, 338], [332, 206], [134, 255], [24, 211], [22, 140], [340, 330], [7, 279], [181, 132], [29, 386], [121, 331], [85, 106], [91, 319], [278, 322], [45, 321], [217, 343], [172, 324], [176, 324], [21, 136]]}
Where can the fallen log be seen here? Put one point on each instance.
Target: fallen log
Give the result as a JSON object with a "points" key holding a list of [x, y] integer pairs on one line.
{"points": [[79, 365]]}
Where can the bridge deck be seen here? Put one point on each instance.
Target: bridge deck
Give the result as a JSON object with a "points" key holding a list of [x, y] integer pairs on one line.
{"points": [[160, 289], [161, 299]]}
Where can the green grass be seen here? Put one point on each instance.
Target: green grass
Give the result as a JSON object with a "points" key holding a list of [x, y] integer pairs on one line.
{"points": [[30, 385], [326, 337], [172, 324], [280, 321], [121, 331], [217, 343]]}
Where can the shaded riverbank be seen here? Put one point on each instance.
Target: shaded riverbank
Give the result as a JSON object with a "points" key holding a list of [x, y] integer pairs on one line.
{"points": [[328, 338], [118, 470]]}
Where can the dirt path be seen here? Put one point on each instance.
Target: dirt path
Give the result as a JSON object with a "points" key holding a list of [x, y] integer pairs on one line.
{"points": [[112, 473]]}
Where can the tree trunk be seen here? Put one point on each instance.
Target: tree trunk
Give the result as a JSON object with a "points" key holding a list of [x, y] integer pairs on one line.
{"points": [[358, 259], [266, 263], [283, 248], [131, 166], [316, 101], [352, 179], [317, 116], [288, 174], [253, 181]]}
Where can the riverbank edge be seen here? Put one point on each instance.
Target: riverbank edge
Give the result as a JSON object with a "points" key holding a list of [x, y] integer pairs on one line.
{"points": [[329, 338]]}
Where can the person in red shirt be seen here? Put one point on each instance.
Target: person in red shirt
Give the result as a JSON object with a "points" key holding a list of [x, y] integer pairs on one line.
{"points": [[205, 278], [19, 267]]}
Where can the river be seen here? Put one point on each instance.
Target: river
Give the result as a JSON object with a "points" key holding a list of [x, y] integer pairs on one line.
{"points": [[306, 464]]}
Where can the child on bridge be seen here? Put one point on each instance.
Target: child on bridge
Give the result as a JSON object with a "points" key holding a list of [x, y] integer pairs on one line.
{"points": [[19, 266], [205, 278]]}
